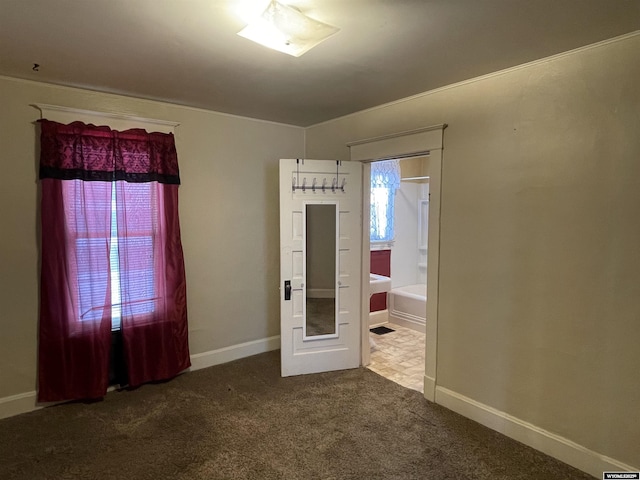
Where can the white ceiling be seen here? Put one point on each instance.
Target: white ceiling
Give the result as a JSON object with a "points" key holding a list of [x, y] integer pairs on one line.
{"points": [[187, 51]]}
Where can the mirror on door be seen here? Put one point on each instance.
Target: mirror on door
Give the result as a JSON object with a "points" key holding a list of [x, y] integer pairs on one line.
{"points": [[321, 293]]}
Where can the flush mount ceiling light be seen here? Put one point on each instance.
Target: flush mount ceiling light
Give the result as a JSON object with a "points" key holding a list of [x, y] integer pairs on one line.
{"points": [[285, 29]]}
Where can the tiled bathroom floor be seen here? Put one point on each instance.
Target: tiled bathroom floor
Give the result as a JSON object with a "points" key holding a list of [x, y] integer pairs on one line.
{"points": [[399, 356]]}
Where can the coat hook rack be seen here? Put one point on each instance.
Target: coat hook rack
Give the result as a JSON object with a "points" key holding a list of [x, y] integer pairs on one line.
{"points": [[337, 183]]}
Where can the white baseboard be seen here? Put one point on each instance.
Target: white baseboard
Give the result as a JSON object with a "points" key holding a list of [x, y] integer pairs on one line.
{"points": [[26, 402], [553, 445], [17, 404], [429, 388], [407, 320], [379, 317], [234, 352]]}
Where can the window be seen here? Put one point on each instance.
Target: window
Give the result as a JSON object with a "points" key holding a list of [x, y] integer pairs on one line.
{"points": [[121, 218], [111, 259], [385, 180], [135, 234]]}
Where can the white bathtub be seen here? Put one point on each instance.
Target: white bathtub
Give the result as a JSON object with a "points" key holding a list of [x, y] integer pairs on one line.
{"points": [[408, 306]]}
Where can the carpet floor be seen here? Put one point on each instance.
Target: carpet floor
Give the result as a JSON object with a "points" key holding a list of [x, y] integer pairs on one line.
{"points": [[241, 420]]}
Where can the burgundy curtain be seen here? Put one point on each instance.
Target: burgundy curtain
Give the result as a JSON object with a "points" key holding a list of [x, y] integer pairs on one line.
{"points": [[100, 186], [73, 354]]}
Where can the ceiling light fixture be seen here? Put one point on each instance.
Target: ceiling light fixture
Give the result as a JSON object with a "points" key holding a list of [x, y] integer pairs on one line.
{"points": [[287, 30]]}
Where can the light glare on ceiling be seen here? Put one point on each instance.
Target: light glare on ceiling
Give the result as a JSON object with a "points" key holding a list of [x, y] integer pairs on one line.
{"points": [[287, 30]]}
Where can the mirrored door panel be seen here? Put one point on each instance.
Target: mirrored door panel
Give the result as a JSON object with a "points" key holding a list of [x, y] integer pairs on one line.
{"points": [[321, 294]]}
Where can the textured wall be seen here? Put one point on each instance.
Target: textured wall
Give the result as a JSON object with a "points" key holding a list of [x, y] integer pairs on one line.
{"points": [[540, 239]]}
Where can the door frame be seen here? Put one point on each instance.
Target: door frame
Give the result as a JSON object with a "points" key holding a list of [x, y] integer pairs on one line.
{"points": [[412, 143]]}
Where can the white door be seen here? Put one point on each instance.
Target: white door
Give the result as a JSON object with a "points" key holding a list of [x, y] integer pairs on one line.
{"points": [[320, 265]]}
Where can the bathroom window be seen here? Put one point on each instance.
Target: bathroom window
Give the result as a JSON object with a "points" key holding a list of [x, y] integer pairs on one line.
{"points": [[385, 180]]}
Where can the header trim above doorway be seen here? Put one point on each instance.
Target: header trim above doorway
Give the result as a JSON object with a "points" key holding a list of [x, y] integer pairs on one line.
{"points": [[410, 143]]}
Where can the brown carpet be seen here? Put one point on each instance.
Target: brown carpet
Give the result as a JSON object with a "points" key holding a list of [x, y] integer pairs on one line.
{"points": [[242, 421]]}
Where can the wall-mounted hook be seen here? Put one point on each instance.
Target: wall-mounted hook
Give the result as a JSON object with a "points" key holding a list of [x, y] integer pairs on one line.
{"points": [[313, 184], [324, 184], [304, 184], [344, 182]]}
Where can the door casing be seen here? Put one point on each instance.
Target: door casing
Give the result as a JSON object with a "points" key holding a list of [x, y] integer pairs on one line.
{"points": [[412, 143]]}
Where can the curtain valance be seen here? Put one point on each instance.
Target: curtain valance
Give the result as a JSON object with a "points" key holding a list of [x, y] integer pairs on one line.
{"points": [[80, 151]]}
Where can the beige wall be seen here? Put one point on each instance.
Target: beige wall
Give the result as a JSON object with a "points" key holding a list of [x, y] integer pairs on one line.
{"points": [[540, 239], [228, 215]]}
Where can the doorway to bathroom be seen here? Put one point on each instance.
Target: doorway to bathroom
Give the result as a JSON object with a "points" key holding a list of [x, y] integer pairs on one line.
{"points": [[398, 213], [421, 142]]}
